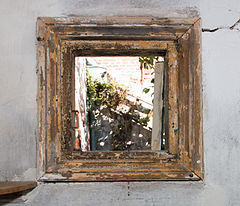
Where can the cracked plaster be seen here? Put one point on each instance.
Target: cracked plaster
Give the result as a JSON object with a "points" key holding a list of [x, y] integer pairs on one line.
{"points": [[221, 93], [235, 26]]}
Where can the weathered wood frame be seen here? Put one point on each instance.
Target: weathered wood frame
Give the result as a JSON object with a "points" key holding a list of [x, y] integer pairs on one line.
{"points": [[61, 39]]}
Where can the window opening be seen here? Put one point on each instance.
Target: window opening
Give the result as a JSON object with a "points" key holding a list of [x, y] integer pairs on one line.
{"points": [[114, 107]]}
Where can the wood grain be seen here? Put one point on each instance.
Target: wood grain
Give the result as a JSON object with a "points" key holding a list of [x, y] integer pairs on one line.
{"points": [[12, 187], [178, 40]]}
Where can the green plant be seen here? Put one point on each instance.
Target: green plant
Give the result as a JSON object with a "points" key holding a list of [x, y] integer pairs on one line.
{"points": [[148, 61], [103, 92]]}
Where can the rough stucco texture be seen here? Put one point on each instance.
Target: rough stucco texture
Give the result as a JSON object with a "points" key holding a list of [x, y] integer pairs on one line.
{"points": [[221, 91]]}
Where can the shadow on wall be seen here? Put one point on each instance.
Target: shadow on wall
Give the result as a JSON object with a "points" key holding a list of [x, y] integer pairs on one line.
{"points": [[117, 130], [14, 198]]}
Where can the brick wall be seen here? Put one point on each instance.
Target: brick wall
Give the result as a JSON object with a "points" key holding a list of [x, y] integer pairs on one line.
{"points": [[125, 70]]}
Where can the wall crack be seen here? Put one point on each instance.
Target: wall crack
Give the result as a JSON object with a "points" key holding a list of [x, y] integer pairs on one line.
{"points": [[210, 30], [235, 24], [233, 27]]}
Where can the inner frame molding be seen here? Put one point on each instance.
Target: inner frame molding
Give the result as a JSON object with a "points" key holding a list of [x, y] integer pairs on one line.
{"points": [[61, 39]]}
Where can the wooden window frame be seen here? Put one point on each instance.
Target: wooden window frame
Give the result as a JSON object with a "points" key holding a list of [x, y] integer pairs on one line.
{"points": [[61, 39]]}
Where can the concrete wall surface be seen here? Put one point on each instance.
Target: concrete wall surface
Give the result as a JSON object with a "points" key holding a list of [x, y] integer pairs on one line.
{"points": [[221, 102]]}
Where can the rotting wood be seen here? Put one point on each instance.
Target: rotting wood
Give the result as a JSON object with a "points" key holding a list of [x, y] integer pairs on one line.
{"points": [[41, 98], [173, 87], [118, 20], [185, 96], [115, 48], [124, 155], [119, 166], [121, 176], [60, 39], [197, 148]]}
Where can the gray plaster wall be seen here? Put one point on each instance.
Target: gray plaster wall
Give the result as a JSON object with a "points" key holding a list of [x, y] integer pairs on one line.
{"points": [[221, 102]]}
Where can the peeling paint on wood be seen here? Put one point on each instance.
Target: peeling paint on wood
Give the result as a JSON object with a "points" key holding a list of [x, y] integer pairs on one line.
{"points": [[61, 39]]}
